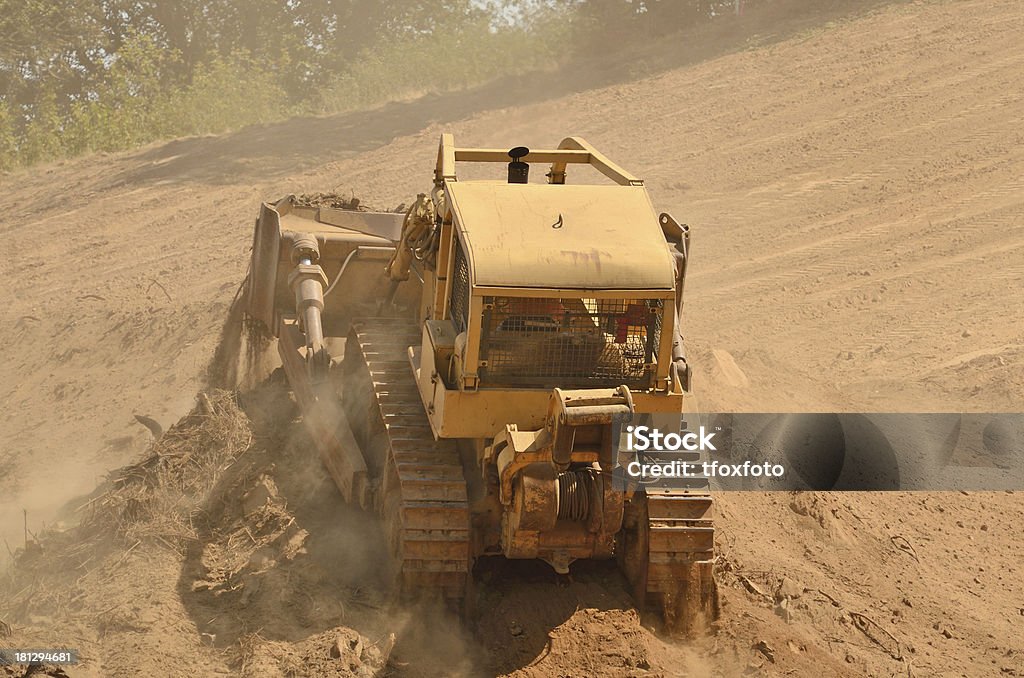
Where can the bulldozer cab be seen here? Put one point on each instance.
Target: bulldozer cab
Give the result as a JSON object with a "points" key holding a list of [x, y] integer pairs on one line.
{"points": [[549, 285]]}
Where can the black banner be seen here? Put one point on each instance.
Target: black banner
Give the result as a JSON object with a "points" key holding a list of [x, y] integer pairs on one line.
{"points": [[822, 451]]}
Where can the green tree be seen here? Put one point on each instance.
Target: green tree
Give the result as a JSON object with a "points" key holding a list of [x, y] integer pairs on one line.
{"points": [[42, 133], [8, 136], [84, 75]]}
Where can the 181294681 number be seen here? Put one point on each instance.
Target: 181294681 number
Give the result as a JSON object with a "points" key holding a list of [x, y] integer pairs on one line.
{"points": [[10, 657]]}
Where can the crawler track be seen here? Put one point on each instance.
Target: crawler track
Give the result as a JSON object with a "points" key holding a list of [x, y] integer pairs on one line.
{"points": [[423, 493]]}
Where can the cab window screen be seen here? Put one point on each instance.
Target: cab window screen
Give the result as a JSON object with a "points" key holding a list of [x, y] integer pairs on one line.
{"points": [[458, 306], [551, 342]]}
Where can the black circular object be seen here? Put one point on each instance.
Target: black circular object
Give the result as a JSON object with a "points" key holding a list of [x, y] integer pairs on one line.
{"points": [[518, 152]]}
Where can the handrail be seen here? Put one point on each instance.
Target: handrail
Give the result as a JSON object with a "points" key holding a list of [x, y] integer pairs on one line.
{"points": [[572, 151]]}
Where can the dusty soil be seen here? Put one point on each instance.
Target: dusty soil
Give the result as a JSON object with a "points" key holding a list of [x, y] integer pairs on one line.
{"points": [[854, 185]]}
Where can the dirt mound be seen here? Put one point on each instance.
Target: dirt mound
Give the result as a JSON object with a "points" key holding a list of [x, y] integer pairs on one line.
{"points": [[242, 358], [341, 202], [227, 545], [108, 584], [329, 200], [240, 553], [236, 550]]}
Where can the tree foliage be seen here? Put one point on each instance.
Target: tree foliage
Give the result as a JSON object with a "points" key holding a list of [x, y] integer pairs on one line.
{"points": [[84, 75]]}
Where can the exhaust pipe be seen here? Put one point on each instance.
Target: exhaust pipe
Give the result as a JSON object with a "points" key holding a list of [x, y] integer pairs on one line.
{"points": [[518, 171]]}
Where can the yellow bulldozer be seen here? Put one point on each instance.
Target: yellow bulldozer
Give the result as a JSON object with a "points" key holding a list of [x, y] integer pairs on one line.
{"points": [[463, 366]]}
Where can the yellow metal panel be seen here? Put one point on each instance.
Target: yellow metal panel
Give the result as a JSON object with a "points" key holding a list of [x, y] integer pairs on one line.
{"points": [[483, 413], [472, 357], [445, 263], [572, 150], [567, 293], [597, 160], [445, 170], [500, 155], [573, 237]]}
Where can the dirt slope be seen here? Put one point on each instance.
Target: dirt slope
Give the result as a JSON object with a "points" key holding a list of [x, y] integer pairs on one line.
{"points": [[858, 210]]}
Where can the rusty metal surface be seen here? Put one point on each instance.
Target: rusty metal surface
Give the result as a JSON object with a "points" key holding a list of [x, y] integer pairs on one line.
{"points": [[666, 551]]}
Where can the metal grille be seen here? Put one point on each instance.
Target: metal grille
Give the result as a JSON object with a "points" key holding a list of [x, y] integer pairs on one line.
{"points": [[567, 342], [458, 306]]}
